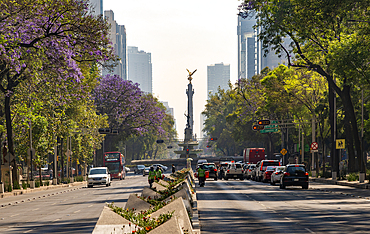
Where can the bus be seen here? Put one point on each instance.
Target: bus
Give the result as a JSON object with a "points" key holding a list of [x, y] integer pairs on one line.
{"points": [[253, 155], [115, 161]]}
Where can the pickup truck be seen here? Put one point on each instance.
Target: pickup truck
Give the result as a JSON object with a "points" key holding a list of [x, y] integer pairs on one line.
{"points": [[234, 170], [261, 167]]}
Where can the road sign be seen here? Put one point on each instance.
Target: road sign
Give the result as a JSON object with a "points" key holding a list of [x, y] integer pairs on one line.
{"points": [[269, 130], [340, 143], [283, 151], [314, 146], [272, 127]]}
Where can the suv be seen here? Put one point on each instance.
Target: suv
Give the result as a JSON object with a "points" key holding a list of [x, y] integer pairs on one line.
{"points": [[139, 169], [234, 170], [98, 175], [212, 170], [294, 175], [248, 171], [261, 167]]}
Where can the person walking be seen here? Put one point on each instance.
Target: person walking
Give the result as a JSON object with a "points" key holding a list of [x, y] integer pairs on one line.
{"points": [[158, 174], [173, 169], [201, 176], [151, 176]]}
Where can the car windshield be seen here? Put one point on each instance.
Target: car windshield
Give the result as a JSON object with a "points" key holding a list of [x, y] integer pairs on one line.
{"points": [[113, 166], [270, 168], [296, 170], [235, 166], [279, 168], [140, 166], [209, 166], [98, 171]]}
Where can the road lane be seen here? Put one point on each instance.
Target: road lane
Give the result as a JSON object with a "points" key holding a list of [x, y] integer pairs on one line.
{"points": [[69, 211], [252, 207]]}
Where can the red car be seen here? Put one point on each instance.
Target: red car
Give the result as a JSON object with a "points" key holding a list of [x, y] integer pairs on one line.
{"points": [[267, 174]]}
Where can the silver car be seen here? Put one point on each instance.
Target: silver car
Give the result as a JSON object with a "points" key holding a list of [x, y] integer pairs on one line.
{"points": [[276, 175], [98, 176]]}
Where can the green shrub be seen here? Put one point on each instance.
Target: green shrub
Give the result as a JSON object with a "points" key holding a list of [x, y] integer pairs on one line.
{"points": [[352, 177], [16, 185], [37, 184], [10, 188], [46, 183], [79, 178], [25, 185]]}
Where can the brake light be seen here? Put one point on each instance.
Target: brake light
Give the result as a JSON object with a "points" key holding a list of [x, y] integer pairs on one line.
{"points": [[287, 173], [215, 169], [276, 173], [306, 173], [228, 171]]}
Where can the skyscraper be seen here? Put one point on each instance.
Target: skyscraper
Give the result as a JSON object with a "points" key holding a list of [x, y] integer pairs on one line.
{"points": [[218, 75], [251, 59], [97, 6], [140, 68], [118, 39]]}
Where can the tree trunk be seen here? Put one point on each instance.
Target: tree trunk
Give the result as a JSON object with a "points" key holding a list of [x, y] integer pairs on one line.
{"points": [[332, 115], [9, 132]]}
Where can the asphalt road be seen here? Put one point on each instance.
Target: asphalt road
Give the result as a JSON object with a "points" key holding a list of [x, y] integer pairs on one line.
{"points": [[65, 210], [235, 206]]}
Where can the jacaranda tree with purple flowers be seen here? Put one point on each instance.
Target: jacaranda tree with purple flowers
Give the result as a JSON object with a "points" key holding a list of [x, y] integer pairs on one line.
{"points": [[128, 109], [46, 41]]}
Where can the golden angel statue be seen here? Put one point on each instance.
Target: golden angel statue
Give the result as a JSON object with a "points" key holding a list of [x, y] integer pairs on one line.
{"points": [[190, 74]]}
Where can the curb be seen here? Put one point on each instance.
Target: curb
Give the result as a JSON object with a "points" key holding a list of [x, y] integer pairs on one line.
{"points": [[50, 187], [342, 183]]}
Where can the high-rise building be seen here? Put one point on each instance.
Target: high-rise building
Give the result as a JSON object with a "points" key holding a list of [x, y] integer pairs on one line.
{"points": [[118, 38], [97, 6], [140, 68], [251, 59], [218, 75]]}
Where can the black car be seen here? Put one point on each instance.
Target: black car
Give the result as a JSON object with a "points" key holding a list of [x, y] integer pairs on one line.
{"points": [[294, 175], [139, 169], [212, 170]]}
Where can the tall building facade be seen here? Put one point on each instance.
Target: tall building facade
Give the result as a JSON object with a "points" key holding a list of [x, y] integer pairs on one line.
{"points": [[140, 68], [218, 75], [118, 38], [251, 59], [97, 6]]}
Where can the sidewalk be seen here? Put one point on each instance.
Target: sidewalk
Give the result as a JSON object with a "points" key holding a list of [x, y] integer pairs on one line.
{"points": [[17, 192], [354, 184]]}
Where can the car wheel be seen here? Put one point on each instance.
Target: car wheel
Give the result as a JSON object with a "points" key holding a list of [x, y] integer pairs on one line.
{"points": [[282, 185], [106, 185], [215, 178], [89, 186], [241, 178], [226, 178], [272, 182], [305, 186]]}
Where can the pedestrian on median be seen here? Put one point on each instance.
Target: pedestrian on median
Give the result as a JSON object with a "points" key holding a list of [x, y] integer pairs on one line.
{"points": [[158, 174], [151, 176], [173, 169], [201, 175]]}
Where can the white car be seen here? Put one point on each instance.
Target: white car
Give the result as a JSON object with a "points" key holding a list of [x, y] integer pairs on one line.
{"points": [[98, 176], [164, 168], [276, 175]]}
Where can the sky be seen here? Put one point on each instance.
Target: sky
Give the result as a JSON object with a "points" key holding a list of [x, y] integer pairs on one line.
{"points": [[181, 35]]}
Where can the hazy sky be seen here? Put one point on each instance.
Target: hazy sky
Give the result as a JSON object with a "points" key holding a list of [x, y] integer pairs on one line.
{"points": [[181, 34]]}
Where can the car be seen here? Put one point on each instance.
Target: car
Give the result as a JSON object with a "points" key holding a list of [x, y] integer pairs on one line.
{"points": [[98, 176], [276, 174], [164, 168], [146, 171], [294, 175], [201, 161], [127, 169], [234, 170], [212, 170], [248, 170], [261, 167], [267, 174], [139, 169]]}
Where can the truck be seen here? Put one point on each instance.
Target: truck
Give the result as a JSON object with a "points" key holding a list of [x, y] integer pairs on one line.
{"points": [[253, 155]]}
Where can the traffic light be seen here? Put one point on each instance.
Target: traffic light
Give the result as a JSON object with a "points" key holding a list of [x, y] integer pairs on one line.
{"points": [[258, 127], [213, 139], [160, 141], [114, 131], [104, 130], [264, 122], [208, 146], [187, 151]]}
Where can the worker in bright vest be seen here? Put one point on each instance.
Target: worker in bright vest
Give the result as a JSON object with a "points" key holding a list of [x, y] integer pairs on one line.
{"points": [[151, 176], [201, 175], [158, 174]]}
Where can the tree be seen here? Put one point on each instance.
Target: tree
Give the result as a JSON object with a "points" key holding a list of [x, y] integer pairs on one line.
{"points": [[47, 39], [312, 28]]}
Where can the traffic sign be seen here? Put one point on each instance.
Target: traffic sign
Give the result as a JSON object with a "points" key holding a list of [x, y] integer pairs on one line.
{"points": [[340, 143], [264, 122], [283, 151], [314, 146]]}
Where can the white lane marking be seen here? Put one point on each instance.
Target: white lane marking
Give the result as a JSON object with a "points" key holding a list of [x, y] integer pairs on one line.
{"points": [[77, 211], [90, 205], [35, 209], [287, 218], [309, 230], [56, 220], [28, 231], [53, 203], [14, 215]]}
